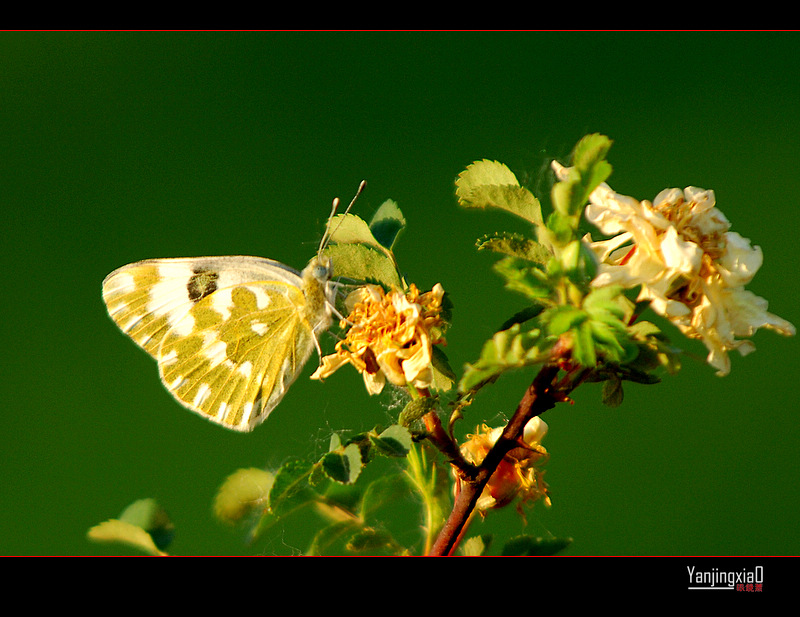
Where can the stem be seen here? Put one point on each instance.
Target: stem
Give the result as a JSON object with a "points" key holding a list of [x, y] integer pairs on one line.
{"points": [[538, 398]]}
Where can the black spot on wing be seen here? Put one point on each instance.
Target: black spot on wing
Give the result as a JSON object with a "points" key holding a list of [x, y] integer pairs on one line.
{"points": [[201, 284]]}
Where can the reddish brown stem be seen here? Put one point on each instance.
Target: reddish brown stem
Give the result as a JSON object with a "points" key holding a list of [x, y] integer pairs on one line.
{"points": [[539, 397]]}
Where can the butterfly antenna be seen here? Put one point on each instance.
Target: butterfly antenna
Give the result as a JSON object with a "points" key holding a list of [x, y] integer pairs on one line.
{"points": [[328, 231]]}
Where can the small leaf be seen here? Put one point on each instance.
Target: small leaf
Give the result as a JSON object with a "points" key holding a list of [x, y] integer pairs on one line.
{"points": [[521, 277], [612, 391], [362, 263], [344, 465], [529, 546], [387, 223], [394, 441], [150, 516], [382, 492], [115, 531], [561, 319], [506, 350], [330, 534], [443, 374], [476, 546], [373, 540], [515, 245], [416, 409], [589, 169], [290, 489], [352, 229], [242, 492], [486, 183]]}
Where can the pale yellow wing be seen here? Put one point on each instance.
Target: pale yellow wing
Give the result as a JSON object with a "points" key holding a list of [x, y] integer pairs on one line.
{"points": [[230, 334]]}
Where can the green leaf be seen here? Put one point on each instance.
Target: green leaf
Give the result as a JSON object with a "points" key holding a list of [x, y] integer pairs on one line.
{"points": [[352, 229], [150, 516], [443, 374], [343, 465], [561, 319], [394, 441], [370, 540], [485, 184], [524, 278], [330, 534], [114, 531], [583, 347], [382, 492], [387, 223], [570, 195], [476, 546], [515, 245], [431, 481], [589, 159], [143, 525], [291, 490], [241, 493], [416, 409], [359, 262], [530, 546], [506, 350], [612, 391]]}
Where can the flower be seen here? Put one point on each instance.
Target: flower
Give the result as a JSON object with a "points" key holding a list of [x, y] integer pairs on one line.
{"points": [[519, 473], [391, 336], [691, 267]]}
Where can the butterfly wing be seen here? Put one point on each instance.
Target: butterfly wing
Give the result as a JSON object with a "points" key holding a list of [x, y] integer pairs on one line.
{"points": [[230, 334]]}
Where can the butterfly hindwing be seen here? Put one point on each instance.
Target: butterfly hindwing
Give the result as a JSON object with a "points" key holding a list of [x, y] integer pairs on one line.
{"points": [[230, 334]]}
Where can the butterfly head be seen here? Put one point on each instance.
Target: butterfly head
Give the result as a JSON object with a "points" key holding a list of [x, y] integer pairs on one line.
{"points": [[320, 269]]}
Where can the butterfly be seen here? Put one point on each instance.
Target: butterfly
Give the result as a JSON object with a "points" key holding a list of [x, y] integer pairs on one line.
{"points": [[230, 334]]}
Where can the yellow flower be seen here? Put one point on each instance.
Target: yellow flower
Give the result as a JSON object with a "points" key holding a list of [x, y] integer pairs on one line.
{"points": [[390, 337], [691, 267], [519, 473]]}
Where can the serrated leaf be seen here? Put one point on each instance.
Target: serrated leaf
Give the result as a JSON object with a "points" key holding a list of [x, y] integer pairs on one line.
{"points": [[416, 409], [351, 229], [359, 262], [242, 492], [394, 441], [114, 531], [506, 350], [583, 347], [589, 158], [343, 465], [387, 223], [515, 245], [589, 169], [443, 374], [523, 278], [561, 319], [290, 489], [485, 184]]}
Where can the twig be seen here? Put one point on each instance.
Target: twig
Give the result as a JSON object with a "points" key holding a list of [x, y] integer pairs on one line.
{"points": [[538, 398]]}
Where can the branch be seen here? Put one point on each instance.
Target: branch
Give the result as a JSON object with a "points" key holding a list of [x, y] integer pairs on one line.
{"points": [[539, 397]]}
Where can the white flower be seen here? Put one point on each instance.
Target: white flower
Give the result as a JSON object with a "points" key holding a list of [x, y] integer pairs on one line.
{"points": [[691, 267]]}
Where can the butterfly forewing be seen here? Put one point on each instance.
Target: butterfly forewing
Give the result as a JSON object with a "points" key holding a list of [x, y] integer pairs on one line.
{"points": [[230, 334]]}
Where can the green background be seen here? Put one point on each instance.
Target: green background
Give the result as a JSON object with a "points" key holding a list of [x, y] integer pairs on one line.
{"points": [[123, 146]]}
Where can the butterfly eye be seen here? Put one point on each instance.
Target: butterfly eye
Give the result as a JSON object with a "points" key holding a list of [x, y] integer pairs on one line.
{"points": [[322, 272]]}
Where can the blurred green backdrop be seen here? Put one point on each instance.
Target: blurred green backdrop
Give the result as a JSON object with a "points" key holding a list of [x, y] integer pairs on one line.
{"points": [[123, 146]]}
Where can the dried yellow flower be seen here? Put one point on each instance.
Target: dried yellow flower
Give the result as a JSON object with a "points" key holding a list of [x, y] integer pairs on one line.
{"points": [[518, 474], [390, 337]]}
